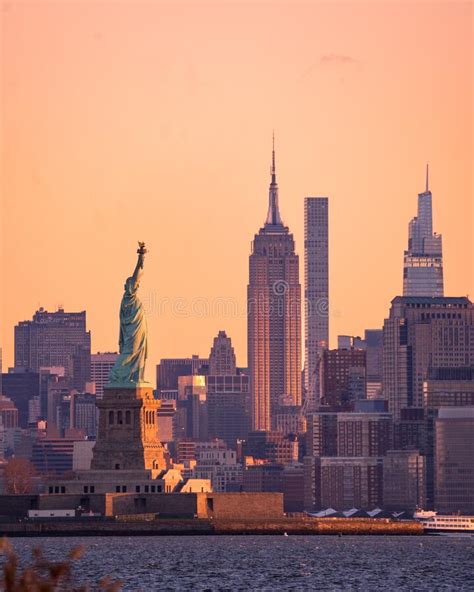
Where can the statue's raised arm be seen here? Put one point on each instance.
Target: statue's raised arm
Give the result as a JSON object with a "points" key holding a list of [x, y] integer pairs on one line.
{"points": [[137, 274], [130, 365]]}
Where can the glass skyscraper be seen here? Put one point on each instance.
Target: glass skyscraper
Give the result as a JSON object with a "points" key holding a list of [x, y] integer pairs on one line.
{"points": [[423, 261]]}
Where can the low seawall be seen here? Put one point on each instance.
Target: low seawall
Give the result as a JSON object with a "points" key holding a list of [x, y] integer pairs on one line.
{"points": [[162, 527]]}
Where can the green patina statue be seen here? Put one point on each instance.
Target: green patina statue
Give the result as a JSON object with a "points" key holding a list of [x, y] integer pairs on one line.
{"points": [[129, 369]]}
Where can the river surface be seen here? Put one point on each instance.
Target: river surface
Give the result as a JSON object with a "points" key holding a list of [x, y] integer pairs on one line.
{"points": [[270, 563]]}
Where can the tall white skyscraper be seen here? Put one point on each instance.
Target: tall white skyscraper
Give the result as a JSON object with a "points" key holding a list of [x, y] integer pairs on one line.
{"points": [[316, 262], [423, 261]]}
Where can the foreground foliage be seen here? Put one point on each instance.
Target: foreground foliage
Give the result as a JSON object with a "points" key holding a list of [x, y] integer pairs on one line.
{"points": [[43, 575]]}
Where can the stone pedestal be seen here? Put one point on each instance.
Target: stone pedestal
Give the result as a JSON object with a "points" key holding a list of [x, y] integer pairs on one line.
{"points": [[127, 437]]}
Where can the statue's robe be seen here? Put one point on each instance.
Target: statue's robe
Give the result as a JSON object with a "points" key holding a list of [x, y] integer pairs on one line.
{"points": [[130, 365]]}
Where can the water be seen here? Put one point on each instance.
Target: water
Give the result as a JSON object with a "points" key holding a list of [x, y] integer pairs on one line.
{"points": [[269, 563]]}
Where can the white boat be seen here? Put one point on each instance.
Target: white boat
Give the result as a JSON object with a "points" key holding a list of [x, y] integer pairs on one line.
{"points": [[434, 522]]}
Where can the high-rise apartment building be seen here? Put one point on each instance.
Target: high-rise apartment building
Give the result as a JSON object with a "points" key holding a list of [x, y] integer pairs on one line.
{"points": [[363, 434], [316, 263], [422, 333], [274, 317], [222, 356], [350, 482], [321, 434], [342, 374], [423, 261], [101, 365], [55, 339]]}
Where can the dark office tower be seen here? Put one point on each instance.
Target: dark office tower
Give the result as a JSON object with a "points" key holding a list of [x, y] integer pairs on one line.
{"points": [[55, 339], [227, 408], [423, 333], [444, 387], [423, 261], [21, 387], [316, 292], [222, 356], [274, 317], [454, 461]]}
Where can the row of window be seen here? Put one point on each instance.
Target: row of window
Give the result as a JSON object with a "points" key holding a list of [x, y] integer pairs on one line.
{"points": [[119, 417], [138, 489]]}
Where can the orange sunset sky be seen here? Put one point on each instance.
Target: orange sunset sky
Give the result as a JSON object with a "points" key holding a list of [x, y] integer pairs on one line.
{"points": [[126, 121]]}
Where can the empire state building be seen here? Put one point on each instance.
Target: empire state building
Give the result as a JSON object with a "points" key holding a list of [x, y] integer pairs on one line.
{"points": [[274, 317]]}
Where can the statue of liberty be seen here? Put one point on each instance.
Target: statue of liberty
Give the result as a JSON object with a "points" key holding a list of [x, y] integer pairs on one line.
{"points": [[129, 369]]}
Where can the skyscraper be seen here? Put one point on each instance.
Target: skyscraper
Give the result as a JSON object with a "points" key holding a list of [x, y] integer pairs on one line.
{"points": [[454, 460], [421, 334], [423, 261], [227, 394], [316, 292], [55, 339], [222, 356], [274, 316]]}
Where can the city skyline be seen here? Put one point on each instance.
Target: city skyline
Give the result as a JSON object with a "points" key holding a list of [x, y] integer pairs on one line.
{"points": [[82, 191]]}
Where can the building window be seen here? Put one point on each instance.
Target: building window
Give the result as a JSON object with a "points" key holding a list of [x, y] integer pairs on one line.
{"points": [[119, 418], [117, 488], [128, 417], [117, 466], [153, 489], [137, 488], [147, 489], [124, 489], [92, 489], [51, 490], [111, 418], [86, 489], [56, 489], [158, 488]]}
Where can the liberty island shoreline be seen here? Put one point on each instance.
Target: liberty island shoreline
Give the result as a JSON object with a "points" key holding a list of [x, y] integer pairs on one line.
{"points": [[151, 526]]}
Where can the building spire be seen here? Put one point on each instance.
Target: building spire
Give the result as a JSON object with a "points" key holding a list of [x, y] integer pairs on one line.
{"points": [[273, 170], [273, 216], [427, 178]]}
